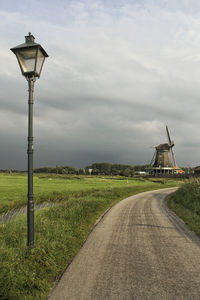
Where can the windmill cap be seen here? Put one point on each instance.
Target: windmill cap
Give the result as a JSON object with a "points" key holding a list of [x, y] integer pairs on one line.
{"points": [[163, 147]]}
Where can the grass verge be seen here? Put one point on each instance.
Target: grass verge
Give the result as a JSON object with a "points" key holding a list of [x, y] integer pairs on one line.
{"points": [[185, 202], [59, 233]]}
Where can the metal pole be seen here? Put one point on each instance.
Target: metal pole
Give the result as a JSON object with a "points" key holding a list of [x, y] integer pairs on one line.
{"points": [[30, 204]]}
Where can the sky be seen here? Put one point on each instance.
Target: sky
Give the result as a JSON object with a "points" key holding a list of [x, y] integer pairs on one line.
{"points": [[117, 73]]}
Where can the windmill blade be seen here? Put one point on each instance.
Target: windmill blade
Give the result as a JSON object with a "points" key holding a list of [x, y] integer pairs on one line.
{"points": [[173, 157], [153, 158], [170, 142]]}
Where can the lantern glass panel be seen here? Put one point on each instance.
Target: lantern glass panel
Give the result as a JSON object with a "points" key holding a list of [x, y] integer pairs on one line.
{"points": [[40, 61], [27, 58]]}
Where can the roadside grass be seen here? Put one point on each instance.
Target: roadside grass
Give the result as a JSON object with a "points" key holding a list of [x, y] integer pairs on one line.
{"points": [[185, 202], [60, 231]]}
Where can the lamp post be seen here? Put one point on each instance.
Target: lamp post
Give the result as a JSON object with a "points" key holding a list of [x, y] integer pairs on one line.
{"points": [[30, 56]]}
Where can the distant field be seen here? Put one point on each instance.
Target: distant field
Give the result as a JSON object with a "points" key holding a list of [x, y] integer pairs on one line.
{"points": [[51, 187]]}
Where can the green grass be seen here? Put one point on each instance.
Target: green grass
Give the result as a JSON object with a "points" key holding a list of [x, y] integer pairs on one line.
{"points": [[50, 187], [185, 202], [59, 232]]}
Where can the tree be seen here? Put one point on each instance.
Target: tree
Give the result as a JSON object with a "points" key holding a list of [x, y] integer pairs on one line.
{"points": [[81, 171], [127, 172]]}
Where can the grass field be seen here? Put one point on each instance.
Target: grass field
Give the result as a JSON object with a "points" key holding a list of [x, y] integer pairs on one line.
{"points": [[13, 188], [60, 231], [50, 187], [186, 204]]}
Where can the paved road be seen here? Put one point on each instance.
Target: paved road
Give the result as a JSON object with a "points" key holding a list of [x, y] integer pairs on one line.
{"points": [[139, 250]]}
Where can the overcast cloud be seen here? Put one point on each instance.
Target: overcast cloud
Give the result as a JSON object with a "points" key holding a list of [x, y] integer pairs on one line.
{"points": [[117, 73]]}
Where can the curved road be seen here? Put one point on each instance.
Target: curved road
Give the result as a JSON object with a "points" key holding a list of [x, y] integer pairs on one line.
{"points": [[139, 250]]}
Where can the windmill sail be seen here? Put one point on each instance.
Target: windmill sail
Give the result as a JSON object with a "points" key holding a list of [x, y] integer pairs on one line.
{"points": [[153, 158], [171, 144]]}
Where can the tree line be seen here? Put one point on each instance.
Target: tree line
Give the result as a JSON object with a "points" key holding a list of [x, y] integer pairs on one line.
{"points": [[103, 168]]}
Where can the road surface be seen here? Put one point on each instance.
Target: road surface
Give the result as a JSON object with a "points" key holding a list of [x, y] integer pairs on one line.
{"points": [[139, 250]]}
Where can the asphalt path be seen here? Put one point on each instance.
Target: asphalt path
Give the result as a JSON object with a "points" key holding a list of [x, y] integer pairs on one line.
{"points": [[139, 250]]}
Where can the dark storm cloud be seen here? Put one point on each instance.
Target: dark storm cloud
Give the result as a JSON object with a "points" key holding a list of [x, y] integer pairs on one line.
{"points": [[115, 76]]}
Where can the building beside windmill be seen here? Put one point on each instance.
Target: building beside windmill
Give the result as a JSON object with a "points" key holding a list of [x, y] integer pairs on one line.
{"points": [[163, 161]]}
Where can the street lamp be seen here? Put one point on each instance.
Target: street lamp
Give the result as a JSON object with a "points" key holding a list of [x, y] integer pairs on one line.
{"points": [[30, 56]]}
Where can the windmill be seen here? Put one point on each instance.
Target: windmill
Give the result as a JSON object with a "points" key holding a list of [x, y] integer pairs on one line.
{"points": [[163, 160]]}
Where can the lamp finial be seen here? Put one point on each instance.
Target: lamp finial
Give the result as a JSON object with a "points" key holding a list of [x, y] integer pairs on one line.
{"points": [[29, 38]]}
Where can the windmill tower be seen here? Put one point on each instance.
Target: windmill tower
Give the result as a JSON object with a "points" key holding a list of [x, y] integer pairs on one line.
{"points": [[163, 161]]}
